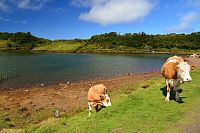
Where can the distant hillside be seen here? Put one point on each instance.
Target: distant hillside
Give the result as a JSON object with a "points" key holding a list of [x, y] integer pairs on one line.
{"points": [[20, 41], [108, 42]]}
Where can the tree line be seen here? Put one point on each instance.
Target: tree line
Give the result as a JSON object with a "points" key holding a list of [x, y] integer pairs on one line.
{"points": [[142, 40]]}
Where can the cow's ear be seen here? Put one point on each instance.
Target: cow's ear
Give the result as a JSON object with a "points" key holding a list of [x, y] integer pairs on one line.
{"points": [[192, 67]]}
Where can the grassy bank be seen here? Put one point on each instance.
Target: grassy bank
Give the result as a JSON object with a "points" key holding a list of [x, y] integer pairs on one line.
{"points": [[83, 47], [135, 109], [80, 47], [59, 46]]}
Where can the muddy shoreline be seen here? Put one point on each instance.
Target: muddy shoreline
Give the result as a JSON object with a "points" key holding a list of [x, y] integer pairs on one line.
{"points": [[38, 103], [64, 96]]}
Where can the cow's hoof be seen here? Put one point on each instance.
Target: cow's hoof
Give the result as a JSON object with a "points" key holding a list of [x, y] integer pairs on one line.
{"points": [[166, 99]]}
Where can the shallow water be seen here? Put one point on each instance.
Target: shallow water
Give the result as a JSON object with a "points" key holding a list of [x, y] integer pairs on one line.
{"points": [[27, 69]]}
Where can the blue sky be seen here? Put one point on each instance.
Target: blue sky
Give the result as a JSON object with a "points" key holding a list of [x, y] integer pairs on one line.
{"points": [[69, 19]]}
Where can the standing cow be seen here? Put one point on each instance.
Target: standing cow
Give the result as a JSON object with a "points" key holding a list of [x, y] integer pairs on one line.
{"points": [[97, 96], [176, 71]]}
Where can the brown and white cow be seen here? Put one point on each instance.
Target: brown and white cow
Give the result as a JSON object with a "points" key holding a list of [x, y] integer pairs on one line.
{"points": [[176, 71], [97, 95]]}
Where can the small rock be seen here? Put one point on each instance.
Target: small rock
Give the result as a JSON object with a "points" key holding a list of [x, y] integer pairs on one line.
{"points": [[7, 119], [145, 86], [33, 105], [24, 109], [56, 114], [129, 74], [6, 108], [91, 83], [68, 83], [28, 114]]}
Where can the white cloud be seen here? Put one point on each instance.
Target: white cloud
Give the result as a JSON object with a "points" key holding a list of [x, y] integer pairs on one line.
{"points": [[8, 5], [193, 3], [32, 4], [4, 19], [184, 25], [20, 22], [87, 3], [82, 3], [12, 21], [107, 12], [3, 6], [190, 17]]}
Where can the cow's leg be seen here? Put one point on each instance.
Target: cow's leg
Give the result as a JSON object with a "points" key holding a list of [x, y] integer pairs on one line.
{"points": [[176, 89], [90, 108], [168, 90]]}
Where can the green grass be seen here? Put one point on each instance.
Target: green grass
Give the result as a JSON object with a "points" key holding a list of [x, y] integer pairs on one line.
{"points": [[3, 44], [142, 110], [19, 119], [59, 46], [67, 46]]}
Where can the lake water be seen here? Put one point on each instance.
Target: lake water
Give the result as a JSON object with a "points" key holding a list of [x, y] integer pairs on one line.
{"points": [[27, 69]]}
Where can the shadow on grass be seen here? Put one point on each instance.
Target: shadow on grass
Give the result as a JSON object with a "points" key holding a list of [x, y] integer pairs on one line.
{"points": [[99, 108], [172, 94]]}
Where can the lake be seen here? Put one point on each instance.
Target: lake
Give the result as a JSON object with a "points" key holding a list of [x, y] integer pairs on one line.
{"points": [[28, 69]]}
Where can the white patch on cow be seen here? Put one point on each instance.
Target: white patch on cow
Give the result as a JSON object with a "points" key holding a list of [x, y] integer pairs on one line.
{"points": [[107, 101], [172, 60], [170, 82], [167, 97], [90, 107], [183, 72]]}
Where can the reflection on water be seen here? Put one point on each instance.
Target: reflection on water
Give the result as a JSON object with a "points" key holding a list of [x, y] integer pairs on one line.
{"points": [[32, 69]]}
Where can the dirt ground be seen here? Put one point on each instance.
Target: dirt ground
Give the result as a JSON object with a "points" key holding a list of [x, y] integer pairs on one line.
{"points": [[68, 96], [63, 96]]}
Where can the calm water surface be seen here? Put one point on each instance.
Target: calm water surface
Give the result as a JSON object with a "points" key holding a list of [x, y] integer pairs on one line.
{"points": [[25, 69]]}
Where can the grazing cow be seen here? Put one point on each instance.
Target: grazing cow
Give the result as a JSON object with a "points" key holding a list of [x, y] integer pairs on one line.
{"points": [[195, 55], [175, 71], [97, 96]]}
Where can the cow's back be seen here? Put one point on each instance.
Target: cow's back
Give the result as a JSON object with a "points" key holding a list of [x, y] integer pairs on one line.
{"points": [[168, 69], [95, 92]]}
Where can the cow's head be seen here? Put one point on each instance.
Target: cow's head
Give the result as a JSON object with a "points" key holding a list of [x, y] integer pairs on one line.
{"points": [[183, 72], [105, 100]]}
